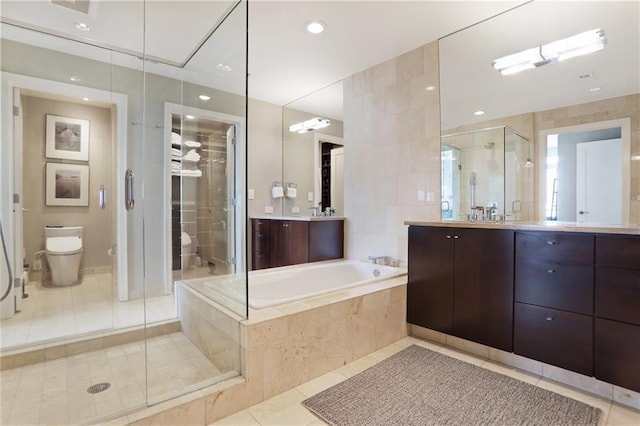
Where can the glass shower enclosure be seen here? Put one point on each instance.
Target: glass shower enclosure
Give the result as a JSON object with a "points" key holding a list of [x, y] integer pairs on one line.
{"points": [[128, 334], [487, 175]]}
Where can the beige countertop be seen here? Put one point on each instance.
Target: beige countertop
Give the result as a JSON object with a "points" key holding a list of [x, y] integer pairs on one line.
{"points": [[300, 218], [533, 226]]}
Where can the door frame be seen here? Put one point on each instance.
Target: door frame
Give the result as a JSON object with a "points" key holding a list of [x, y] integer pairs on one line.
{"points": [[318, 139], [625, 126], [236, 183], [12, 81]]}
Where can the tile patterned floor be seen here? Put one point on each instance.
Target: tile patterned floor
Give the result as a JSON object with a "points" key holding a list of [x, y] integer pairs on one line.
{"points": [[285, 409], [55, 392], [49, 313]]}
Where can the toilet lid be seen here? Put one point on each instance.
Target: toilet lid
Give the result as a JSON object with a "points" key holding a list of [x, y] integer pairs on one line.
{"points": [[63, 244]]}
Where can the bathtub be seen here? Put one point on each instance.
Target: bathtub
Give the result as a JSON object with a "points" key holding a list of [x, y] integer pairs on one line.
{"points": [[271, 287]]}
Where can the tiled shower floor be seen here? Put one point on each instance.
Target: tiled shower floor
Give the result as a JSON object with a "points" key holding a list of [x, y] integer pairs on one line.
{"points": [[55, 392]]}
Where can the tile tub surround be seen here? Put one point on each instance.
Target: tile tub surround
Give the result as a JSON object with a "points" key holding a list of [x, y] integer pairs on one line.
{"points": [[211, 328], [291, 344]]}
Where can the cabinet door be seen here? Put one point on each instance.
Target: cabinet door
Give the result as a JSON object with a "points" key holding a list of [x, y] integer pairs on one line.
{"points": [[326, 240], [279, 243], [560, 338], [289, 242], [430, 280], [617, 353], [261, 243], [297, 242], [483, 308]]}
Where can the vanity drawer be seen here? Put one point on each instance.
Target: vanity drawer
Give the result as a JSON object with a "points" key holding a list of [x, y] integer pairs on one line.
{"points": [[556, 337], [561, 286], [556, 246], [618, 294], [617, 349], [622, 251]]}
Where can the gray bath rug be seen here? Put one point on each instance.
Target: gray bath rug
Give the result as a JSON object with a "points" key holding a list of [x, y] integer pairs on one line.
{"points": [[420, 387]]}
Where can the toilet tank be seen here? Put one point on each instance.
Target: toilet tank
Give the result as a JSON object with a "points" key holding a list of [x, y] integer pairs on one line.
{"points": [[62, 231]]}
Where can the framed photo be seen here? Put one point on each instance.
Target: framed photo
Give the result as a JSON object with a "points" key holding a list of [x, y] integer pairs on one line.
{"points": [[67, 184], [67, 138]]}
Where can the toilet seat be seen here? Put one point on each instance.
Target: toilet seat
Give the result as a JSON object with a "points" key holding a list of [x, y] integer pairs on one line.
{"points": [[64, 245]]}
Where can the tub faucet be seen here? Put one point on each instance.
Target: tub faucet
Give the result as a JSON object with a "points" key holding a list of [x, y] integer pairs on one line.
{"points": [[378, 260]]}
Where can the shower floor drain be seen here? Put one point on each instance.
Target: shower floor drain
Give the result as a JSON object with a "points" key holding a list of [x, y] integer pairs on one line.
{"points": [[98, 387]]}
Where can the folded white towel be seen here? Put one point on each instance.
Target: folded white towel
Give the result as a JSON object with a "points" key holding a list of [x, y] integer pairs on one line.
{"points": [[176, 151], [176, 138], [192, 144], [292, 192], [194, 173], [277, 192]]}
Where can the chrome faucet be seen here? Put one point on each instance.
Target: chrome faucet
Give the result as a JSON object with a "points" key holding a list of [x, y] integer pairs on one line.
{"points": [[376, 260]]}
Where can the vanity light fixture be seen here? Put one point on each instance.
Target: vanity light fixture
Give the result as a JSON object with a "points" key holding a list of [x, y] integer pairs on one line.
{"points": [[204, 97], [85, 99], [75, 78], [189, 117], [594, 89], [479, 112], [550, 53], [310, 125], [224, 67], [430, 88], [315, 27], [82, 26]]}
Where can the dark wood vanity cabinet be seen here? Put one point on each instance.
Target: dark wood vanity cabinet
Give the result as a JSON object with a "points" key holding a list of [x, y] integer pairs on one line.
{"points": [[575, 305], [553, 311], [617, 310], [278, 242], [461, 282]]}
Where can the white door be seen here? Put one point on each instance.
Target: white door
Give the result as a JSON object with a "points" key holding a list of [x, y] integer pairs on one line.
{"points": [[337, 180], [599, 182]]}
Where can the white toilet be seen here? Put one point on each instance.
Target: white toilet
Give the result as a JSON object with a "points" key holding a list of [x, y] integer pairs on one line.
{"points": [[63, 246]]}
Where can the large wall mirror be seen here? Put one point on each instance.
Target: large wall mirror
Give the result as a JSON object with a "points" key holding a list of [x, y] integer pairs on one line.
{"points": [[580, 115], [312, 158]]}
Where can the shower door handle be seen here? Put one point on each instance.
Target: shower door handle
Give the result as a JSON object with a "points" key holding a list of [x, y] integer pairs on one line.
{"points": [[129, 202], [102, 197]]}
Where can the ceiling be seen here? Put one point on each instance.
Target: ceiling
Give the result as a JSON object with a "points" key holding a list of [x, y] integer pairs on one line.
{"points": [[285, 62], [289, 66]]}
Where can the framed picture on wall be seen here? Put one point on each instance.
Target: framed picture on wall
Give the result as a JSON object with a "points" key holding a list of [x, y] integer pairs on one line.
{"points": [[67, 184], [67, 138]]}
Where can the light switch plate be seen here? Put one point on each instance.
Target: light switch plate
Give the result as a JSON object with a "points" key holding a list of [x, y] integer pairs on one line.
{"points": [[295, 209], [268, 209], [310, 196], [251, 194]]}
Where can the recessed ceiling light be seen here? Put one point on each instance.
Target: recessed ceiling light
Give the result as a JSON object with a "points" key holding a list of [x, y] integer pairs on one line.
{"points": [[594, 89], [224, 67], [82, 26], [75, 78], [315, 27], [189, 117], [204, 97], [479, 112], [85, 99], [430, 88]]}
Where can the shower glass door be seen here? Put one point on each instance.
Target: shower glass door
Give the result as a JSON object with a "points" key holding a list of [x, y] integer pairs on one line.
{"points": [[193, 155]]}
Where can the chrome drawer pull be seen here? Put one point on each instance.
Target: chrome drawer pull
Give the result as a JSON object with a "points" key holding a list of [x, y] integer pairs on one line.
{"points": [[448, 237], [551, 243], [549, 318], [551, 271], [456, 237]]}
